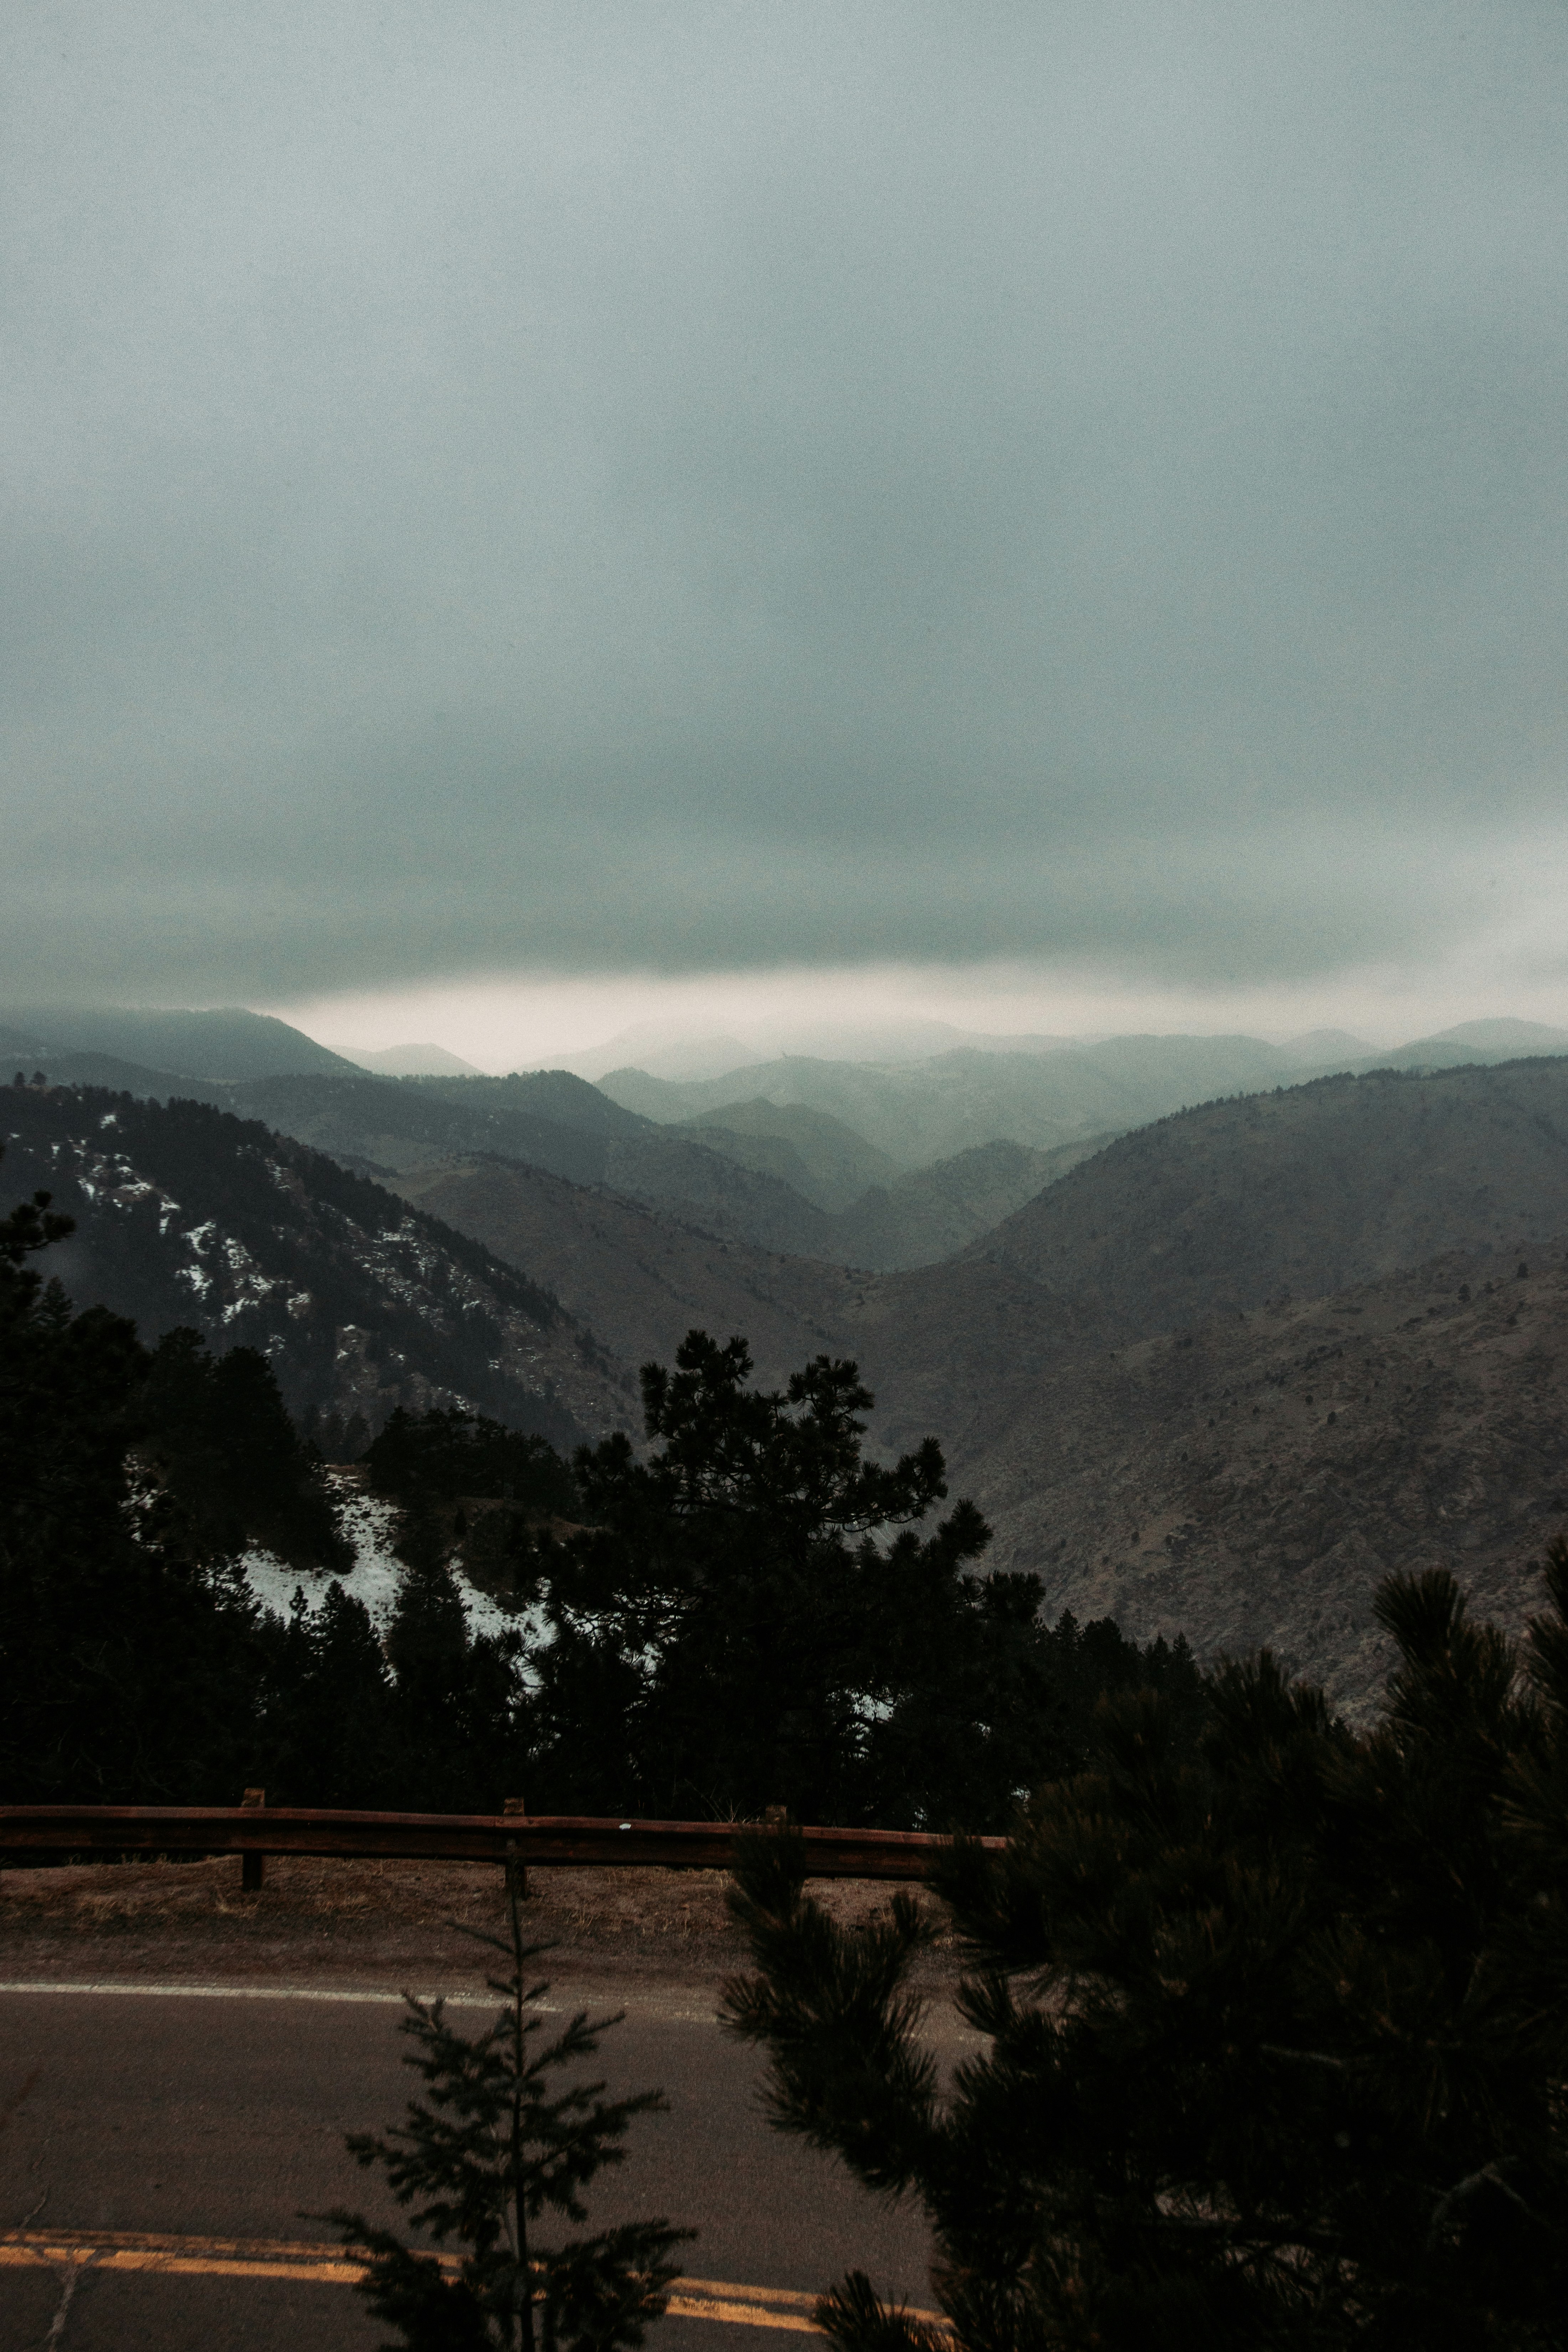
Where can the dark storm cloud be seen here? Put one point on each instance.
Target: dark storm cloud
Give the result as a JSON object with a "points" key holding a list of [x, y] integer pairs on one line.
{"points": [[703, 486]]}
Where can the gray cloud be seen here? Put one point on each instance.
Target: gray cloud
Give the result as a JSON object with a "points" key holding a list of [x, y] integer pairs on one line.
{"points": [[698, 486]]}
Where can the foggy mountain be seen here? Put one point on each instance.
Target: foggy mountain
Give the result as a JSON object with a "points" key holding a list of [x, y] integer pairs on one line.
{"points": [[230, 1044], [788, 1179], [666, 1052], [414, 1062], [918, 1112], [924, 1111], [767, 1183], [824, 1160], [1472, 1040]]}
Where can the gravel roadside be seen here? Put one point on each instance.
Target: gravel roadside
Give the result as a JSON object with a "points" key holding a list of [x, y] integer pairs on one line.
{"points": [[385, 1924]]}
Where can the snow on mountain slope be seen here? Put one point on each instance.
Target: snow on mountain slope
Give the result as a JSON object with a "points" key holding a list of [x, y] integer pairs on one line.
{"points": [[370, 1523]]}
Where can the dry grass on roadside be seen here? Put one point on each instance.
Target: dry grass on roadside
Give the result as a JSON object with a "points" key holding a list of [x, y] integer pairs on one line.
{"points": [[374, 1921]]}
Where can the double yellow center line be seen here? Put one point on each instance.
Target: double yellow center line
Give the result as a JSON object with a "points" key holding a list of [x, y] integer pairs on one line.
{"points": [[283, 2258]]}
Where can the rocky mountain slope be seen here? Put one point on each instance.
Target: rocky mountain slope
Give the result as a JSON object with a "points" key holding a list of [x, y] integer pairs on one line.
{"points": [[1252, 1480], [1072, 1361], [640, 1278], [187, 1215]]}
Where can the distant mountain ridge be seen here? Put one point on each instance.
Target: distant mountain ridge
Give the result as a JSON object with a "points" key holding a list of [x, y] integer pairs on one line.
{"points": [[733, 1184], [1343, 1179], [414, 1062], [231, 1045], [919, 1113]]}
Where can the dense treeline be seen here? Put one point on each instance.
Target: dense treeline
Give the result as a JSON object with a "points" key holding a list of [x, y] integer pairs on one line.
{"points": [[747, 1613], [445, 1456]]}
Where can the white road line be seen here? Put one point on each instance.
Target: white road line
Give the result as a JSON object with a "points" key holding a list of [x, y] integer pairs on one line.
{"points": [[592, 1997]]}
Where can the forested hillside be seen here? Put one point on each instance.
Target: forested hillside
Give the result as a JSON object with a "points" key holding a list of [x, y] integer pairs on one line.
{"points": [[186, 1215]]}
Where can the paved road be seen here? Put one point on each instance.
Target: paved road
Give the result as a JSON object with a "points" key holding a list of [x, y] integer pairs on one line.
{"points": [[224, 2117]]}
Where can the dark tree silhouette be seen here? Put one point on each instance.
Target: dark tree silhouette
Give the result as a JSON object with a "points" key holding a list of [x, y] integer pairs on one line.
{"points": [[751, 1617], [1278, 2032], [489, 2158]]}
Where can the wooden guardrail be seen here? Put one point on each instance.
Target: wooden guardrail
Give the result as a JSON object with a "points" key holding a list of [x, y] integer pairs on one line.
{"points": [[557, 1841]]}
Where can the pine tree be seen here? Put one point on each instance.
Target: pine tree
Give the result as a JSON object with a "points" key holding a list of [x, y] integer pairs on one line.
{"points": [[222, 1439], [1278, 2030], [483, 2160], [327, 1735], [754, 1617]]}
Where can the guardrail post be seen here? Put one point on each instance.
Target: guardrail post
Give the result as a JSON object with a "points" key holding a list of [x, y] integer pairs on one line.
{"points": [[514, 1809], [252, 1867]]}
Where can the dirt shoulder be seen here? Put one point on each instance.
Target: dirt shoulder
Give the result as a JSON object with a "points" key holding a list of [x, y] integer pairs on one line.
{"points": [[384, 1925]]}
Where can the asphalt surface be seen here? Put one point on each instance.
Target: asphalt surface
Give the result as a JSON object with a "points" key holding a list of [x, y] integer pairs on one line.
{"points": [[224, 2118]]}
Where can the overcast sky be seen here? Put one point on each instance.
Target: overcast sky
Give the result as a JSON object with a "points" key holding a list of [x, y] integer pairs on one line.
{"points": [[603, 497]]}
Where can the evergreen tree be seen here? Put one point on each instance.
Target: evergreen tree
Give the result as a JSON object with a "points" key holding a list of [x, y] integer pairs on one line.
{"points": [[484, 2160], [445, 1454], [220, 1436], [328, 1734], [1278, 2030], [459, 1708], [751, 1618]]}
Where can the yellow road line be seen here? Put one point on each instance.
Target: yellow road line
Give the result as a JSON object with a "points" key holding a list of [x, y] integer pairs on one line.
{"points": [[740, 2305]]}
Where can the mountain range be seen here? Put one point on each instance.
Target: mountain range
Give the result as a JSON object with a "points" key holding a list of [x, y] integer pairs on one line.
{"points": [[920, 1111], [1130, 1349]]}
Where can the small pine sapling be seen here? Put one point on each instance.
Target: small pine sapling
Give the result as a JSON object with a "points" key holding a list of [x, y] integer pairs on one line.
{"points": [[483, 2161]]}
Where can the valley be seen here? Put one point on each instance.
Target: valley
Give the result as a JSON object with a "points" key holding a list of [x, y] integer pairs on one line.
{"points": [[1130, 1347]]}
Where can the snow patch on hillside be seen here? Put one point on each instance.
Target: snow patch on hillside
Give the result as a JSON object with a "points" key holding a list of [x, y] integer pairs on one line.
{"points": [[369, 1523]]}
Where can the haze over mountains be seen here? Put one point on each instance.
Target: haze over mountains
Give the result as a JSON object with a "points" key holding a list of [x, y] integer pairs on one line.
{"points": [[1069, 1322], [918, 1111]]}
